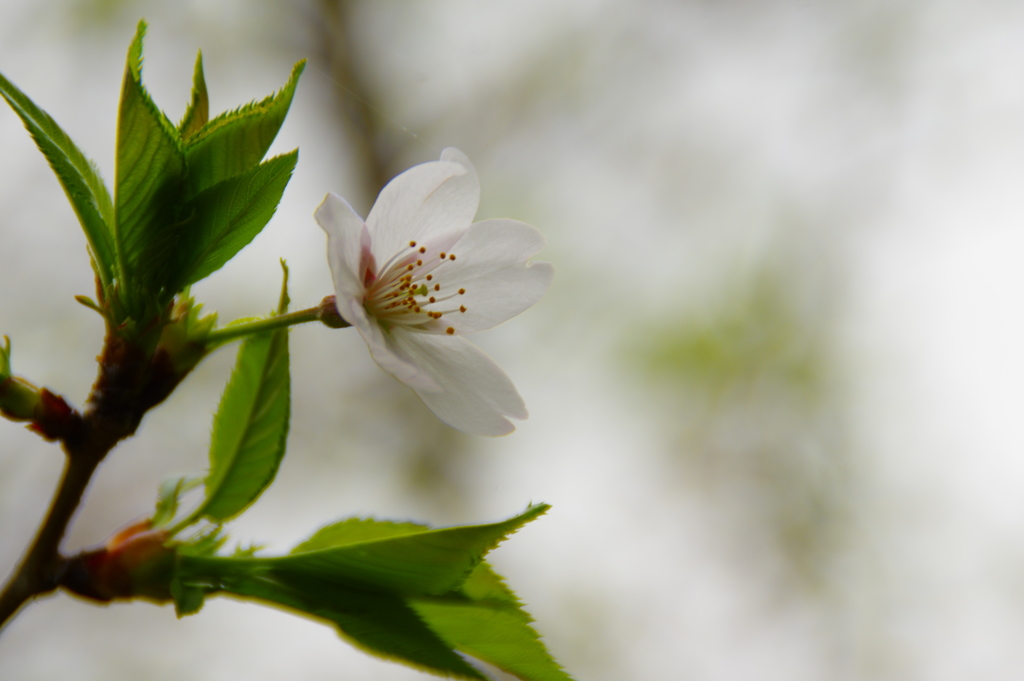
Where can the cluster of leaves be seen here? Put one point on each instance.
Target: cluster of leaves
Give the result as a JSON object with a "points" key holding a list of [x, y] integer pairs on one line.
{"points": [[186, 199]]}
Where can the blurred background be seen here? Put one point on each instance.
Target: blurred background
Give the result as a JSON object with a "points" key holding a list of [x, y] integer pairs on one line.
{"points": [[775, 390]]}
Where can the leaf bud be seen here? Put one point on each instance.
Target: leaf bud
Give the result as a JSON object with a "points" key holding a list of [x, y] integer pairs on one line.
{"points": [[136, 562]]}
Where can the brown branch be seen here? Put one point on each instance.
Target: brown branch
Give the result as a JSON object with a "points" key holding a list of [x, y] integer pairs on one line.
{"points": [[128, 385], [42, 567]]}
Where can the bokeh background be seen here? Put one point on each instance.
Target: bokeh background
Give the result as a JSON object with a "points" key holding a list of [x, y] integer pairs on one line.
{"points": [[775, 390]]}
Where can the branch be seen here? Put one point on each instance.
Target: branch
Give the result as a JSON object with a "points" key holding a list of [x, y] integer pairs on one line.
{"points": [[42, 567], [129, 384]]}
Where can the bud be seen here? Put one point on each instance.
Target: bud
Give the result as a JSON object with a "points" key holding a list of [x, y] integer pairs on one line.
{"points": [[327, 312], [136, 562], [19, 399]]}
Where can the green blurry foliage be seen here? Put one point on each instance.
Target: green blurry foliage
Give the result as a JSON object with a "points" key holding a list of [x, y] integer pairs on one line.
{"points": [[750, 399]]}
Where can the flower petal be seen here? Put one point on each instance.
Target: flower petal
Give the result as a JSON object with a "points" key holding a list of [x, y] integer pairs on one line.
{"points": [[427, 201], [347, 239], [383, 351], [492, 267], [476, 395]]}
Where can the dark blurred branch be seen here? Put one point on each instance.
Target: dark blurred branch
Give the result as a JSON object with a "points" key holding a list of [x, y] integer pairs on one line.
{"points": [[336, 45]]}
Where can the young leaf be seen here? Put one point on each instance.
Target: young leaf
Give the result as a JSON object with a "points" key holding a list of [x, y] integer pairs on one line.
{"points": [[484, 619], [168, 497], [5, 359], [384, 585], [235, 141], [419, 563], [198, 112], [379, 623], [149, 186], [251, 425], [354, 531], [81, 181], [228, 216]]}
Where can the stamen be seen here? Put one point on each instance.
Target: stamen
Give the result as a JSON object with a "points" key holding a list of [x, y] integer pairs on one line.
{"points": [[400, 292]]}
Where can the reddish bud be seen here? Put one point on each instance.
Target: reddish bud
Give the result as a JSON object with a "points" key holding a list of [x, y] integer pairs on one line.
{"points": [[134, 563]]}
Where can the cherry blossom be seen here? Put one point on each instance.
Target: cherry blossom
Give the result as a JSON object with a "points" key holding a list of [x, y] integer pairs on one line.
{"points": [[418, 274]]}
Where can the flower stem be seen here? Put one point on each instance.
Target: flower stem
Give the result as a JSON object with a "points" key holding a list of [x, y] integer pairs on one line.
{"points": [[325, 312], [235, 331]]}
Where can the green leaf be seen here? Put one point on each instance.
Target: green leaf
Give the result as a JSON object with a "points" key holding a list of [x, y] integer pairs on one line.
{"points": [[235, 141], [77, 174], [168, 498], [188, 600], [204, 544], [198, 112], [355, 531], [228, 216], [384, 585], [484, 619], [414, 563], [5, 359], [149, 189], [250, 427], [379, 623]]}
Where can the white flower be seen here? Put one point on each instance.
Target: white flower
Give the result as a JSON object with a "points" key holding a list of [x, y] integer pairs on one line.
{"points": [[418, 274]]}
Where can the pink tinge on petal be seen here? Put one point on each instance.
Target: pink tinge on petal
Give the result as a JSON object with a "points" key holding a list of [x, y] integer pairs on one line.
{"points": [[367, 263], [403, 291], [346, 236]]}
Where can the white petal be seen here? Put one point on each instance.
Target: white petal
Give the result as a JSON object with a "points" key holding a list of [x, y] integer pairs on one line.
{"points": [[346, 239], [476, 395], [492, 266], [383, 351], [425, 202]]}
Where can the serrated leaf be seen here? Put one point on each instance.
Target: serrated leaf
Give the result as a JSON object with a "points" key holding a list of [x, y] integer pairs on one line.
{"points": [[198, 112], [168, 497], [485, 620], [379, 623], [204, 544], [229, 215], [250, 427], [354, 531], [420, 563], [235, 141], [81, 181], [149, 188], [480, 616], [484, 584]]}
